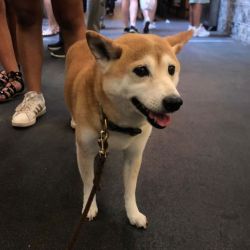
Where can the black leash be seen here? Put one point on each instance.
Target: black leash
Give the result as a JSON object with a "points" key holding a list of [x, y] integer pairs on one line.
{"points": [[99, 164]]}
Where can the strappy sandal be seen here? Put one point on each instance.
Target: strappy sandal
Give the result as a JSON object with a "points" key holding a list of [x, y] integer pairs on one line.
{"points": [[10, 91], [3, 79]]}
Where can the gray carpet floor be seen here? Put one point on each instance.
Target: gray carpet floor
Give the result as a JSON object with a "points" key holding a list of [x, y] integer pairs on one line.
{"points": [[194, 184]]}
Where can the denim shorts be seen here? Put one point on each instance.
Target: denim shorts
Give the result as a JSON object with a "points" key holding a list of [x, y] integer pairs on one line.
{"points": [[199, 1]]}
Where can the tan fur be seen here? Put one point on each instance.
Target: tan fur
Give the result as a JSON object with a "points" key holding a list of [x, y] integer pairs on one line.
{"points": [[104, 75]]}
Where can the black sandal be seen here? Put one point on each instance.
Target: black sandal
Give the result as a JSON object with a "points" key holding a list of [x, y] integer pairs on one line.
{"points": [[3, 79], [9, 90]]}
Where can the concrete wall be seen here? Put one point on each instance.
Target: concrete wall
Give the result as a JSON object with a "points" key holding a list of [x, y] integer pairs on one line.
{"points": [[234, 19], [225, 16], [241, 20]]}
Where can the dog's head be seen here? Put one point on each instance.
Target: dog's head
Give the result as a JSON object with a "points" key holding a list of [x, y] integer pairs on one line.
{"points": [[141, 72]]}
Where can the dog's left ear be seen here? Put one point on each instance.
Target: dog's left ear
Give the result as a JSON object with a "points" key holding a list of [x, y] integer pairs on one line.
{"points": [[178, 41], [103, 48]]}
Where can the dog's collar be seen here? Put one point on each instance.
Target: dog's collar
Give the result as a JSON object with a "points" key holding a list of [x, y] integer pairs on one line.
{"points": [[113, 127], [124, 130]]}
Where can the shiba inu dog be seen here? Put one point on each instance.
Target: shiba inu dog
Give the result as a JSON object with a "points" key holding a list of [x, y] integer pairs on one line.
{"points": [[134, 79]]}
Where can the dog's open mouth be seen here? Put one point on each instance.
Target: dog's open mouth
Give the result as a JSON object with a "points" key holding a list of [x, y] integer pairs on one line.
{"points": [[158, 120]]}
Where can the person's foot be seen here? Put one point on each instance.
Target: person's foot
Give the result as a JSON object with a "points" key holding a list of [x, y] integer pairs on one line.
{"points": [[60, 53], [126, 30], [55, 46], [133, 29], [202, 32], [109, 12], [14, 86], [152, 26], [199, 31], [190, 27], [194, 29], [3, 79], [146, 27], [26, 113]]}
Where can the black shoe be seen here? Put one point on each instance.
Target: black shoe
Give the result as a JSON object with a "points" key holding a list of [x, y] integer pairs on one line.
{"points": [[58, 53], [56, 46], [146, 27], [109, 12], [133, 29], [126, 30], [212, 28]]}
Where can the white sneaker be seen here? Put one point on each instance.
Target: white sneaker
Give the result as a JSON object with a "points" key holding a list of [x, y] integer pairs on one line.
{"points": [[152, 26], [190, 27], [194, 29], [202, 32], [32, 106]]}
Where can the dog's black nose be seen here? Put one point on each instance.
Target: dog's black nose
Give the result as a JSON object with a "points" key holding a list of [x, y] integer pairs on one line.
{"points": [[172, 103]]}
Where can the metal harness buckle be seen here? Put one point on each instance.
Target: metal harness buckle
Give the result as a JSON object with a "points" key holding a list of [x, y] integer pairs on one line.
{"points": [[103, 137]]}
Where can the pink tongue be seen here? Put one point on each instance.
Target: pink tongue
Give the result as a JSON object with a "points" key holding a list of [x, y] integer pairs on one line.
{"points": [[161, 120]]}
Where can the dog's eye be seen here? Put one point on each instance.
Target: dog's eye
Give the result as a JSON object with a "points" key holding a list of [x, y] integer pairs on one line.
{"points": [[171, 70], [141, 71]]}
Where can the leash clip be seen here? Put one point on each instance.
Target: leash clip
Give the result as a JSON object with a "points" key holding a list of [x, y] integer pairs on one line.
{"points": [[103, 139]]}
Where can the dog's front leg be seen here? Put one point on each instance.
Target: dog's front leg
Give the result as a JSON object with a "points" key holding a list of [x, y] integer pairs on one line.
{"points": [[85, 161], [132, 164]]}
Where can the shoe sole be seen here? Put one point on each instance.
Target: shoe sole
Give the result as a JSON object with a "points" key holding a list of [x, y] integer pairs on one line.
{"points": [[12, 97], [203, 35], [57, 56], [28, 124], [133, 32], [51, 34], [54, 48]]}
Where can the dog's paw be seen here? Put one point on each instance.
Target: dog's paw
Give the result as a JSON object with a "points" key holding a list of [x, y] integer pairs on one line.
{"points": [[92, 211], [72, 124], [138, 219]]}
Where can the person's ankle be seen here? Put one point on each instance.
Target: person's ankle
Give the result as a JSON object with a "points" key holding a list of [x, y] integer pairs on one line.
{"points": [[35, 91], [12, 69]]}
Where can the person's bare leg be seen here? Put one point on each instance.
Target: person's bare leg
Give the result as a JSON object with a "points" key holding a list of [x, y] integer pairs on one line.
{"points": [[191, 14], [29, 39], [9, 85], [11, 18], [146, 21], [146, 15], [197, 8], [70, 17], [7, 55], [95, 12], [125, 12], [53, 26], [133, 8], [153, 11]]}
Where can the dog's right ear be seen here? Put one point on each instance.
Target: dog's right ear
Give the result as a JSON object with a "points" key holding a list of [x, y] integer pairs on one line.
{"points": [[102, 47], [179, 40]]}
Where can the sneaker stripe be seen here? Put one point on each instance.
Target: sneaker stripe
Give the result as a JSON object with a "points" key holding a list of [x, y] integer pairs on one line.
{"points": [[38, 109]]}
